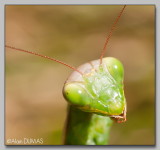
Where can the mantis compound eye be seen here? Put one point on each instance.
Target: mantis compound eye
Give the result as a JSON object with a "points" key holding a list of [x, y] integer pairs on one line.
{"points": [[115, 68], [75, 94]]}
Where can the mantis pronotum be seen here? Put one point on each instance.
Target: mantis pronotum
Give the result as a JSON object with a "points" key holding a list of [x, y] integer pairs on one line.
{"points": [[95, 94]]}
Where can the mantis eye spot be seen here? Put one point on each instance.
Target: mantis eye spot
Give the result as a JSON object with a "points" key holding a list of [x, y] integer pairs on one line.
{"points": [[79, 91], [115, 68], [75, 94]]}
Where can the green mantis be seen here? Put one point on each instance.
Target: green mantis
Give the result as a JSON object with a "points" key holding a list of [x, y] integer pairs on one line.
{"points": [[100, 91], [95, 95]]}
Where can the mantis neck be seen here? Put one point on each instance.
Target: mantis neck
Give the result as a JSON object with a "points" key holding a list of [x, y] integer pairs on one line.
{"points": [[84, 128]]}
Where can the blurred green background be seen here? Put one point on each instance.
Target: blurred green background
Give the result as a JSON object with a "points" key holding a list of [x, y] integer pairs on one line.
{"points": [[35, 107]]}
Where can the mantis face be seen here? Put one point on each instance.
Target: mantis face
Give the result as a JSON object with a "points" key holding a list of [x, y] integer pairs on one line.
{"points": [[99, 90], [96, 86]]}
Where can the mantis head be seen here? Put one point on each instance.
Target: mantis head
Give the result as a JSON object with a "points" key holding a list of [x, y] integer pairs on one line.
{"points": [[99, 90], [96, 86]]}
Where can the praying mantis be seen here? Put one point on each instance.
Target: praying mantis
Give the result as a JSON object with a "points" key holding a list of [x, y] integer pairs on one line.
{"points": [[95, 96]]}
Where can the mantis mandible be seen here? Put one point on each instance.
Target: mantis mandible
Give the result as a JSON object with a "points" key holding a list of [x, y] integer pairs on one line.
{"points": [[95, 95]]}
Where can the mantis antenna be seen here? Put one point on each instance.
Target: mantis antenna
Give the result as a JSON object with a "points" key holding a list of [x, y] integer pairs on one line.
{"points": [[37, 54], [73, 68], [110, 33]]}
